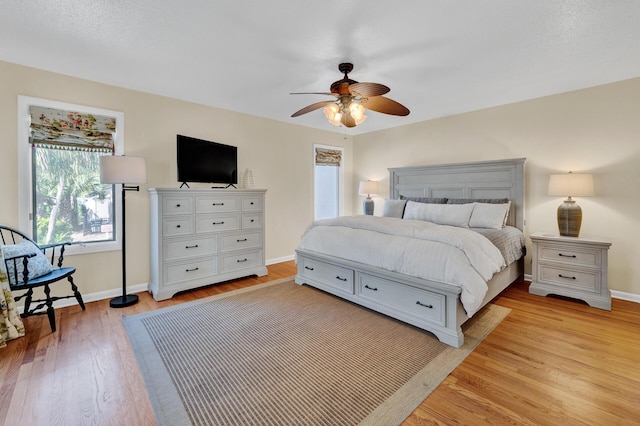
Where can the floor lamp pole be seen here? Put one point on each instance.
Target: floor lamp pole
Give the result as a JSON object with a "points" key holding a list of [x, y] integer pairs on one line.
{"points": [[125, 299]]}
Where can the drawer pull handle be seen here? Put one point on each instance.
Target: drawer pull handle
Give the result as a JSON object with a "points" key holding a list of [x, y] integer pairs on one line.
{"points": [[218, 204], [564, 276], [371, 288], [422, 304], [241, 260], [242, 240], [218, 223], [177, 226], [309, 268], [567, 255], [191, 270], [252, 203], [252, 220], [194, 246], [341, 279], [178, 205]]}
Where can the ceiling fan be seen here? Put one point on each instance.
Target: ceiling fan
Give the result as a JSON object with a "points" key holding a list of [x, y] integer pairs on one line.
{"points": [[351, 99]]}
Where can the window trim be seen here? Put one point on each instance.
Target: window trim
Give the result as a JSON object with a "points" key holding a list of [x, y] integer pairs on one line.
{"points": [[340, 178], [25, 177]]}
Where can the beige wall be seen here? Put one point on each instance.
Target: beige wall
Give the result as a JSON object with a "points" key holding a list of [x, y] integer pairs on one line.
{"points": [[595, 130], [280, 155]]}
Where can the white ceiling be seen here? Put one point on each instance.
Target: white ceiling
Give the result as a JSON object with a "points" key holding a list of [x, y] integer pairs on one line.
{"points": [[439, 57]]}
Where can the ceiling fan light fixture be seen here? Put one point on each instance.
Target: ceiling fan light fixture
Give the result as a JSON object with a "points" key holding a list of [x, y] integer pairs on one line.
{"points": [[332, 112], [356, 110]]}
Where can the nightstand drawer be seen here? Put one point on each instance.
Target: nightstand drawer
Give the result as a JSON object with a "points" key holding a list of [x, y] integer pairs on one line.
{"points": [[570, 255], [582, 280]]}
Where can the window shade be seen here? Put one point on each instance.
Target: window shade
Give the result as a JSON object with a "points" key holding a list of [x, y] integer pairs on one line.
{"points": [[328, 157], [60, 129]]}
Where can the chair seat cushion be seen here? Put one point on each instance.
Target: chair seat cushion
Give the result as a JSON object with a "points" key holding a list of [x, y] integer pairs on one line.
{"points": [[38, 265]]}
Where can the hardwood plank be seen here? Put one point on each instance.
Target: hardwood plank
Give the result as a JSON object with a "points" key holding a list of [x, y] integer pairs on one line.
{"points": [[551, 361]]}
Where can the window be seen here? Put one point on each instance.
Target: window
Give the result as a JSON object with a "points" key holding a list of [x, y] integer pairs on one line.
{"points": [[328, 182], [61, 197]]}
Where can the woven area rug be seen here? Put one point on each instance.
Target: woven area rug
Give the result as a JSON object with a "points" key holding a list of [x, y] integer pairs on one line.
{"points": [[284, 354]]}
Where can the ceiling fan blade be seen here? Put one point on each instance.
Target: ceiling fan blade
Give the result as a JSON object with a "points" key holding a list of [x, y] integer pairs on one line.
{"points": [[385, 106], [313, 93], [310, 108], [368, 89], [348, 121]]}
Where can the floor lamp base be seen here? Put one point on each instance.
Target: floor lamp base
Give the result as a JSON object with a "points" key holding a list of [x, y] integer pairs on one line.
{"points": [[124, 301]]}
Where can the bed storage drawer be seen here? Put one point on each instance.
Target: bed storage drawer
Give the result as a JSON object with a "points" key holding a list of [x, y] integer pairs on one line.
{"points": [[412, 301], [332, 276]]}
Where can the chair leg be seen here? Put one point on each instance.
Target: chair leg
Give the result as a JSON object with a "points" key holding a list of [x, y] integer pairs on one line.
{"points": [[76, 293], [27, 303], [50, 313]]}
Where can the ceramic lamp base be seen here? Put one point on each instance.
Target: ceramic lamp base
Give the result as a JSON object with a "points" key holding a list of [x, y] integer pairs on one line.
{"points": [[569, 219], [367, 206]]}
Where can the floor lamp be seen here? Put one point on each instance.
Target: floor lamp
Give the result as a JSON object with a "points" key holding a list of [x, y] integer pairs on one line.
{"points": [[116, 169]]}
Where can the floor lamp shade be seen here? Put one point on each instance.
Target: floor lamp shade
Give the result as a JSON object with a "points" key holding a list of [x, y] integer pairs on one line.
{"points": [[115, 169], [569, 213], [368, 187]]}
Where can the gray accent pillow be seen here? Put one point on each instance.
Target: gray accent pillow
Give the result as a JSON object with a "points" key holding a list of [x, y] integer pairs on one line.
{"points": [[393, 208], [38, 265], [477, 200], [425, 200]]}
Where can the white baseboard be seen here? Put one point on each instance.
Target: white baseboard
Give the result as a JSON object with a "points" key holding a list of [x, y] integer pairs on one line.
{"points": [[280, 259]]}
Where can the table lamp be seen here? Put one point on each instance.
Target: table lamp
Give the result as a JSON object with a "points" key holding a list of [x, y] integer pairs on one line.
{"points": [[569, 213]]}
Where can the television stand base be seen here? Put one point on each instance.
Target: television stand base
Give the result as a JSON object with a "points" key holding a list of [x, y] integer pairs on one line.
{"points": [[224, 187], [185, 183]]}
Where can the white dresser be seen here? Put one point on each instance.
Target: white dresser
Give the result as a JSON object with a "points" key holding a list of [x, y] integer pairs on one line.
{"points": [[204, 236], [572, 267]]}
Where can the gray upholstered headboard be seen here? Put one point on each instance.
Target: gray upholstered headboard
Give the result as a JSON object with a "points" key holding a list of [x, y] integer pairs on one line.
{"points": [[484, 179]]}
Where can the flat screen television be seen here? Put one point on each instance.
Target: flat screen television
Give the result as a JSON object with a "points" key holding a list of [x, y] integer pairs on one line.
{"points": [[206, 161]]}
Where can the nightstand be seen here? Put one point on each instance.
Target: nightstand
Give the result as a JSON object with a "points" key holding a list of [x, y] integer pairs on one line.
{"points": [[572, 267]]}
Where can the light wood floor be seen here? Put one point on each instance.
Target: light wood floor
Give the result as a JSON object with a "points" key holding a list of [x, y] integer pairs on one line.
{"points": [[550, 362]]}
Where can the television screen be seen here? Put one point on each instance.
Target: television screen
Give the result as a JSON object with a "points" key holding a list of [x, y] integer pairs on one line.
{"points": [[205, 161]]}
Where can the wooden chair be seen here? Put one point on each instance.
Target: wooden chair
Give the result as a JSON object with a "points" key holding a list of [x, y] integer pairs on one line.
{"points": [[10, 236]]}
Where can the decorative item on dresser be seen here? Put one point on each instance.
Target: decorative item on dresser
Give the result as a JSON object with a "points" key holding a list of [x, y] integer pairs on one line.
{"points": [[572, 267], [368, 188], [569, 213], [204, 236]]}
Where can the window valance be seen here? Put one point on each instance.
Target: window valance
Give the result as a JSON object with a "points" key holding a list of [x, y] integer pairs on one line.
{"points": [[60, 129], [328, 157]]}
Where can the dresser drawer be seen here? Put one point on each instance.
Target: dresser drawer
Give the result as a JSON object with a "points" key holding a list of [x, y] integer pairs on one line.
{"points": [[218, 222], [185, 271], [192, 247], [569, 255], [251, 220], [422, 304], [177, 205], [333, 276], [240, 241], [214, 204], [251, 204], [174, 226], [575, 279], [241, 261]]}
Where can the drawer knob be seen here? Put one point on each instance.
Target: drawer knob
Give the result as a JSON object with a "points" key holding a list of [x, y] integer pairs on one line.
{"points": [[242, 240], [341, 279], [218, 223], [191, 270], [565, 277], [422, 304], [567, 255], [252, 220], [190, 247], [309, 268], [177, 226], [241, 260], [371, 288], [252, 203], [177, 205]]}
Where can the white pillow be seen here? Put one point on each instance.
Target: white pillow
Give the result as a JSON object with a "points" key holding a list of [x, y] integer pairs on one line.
{"points": [[393, 208], [442, 214], [493, 216], [38, 265]]}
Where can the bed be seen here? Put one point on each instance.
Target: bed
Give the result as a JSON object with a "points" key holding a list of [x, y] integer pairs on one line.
{"points": [[337, 256]]}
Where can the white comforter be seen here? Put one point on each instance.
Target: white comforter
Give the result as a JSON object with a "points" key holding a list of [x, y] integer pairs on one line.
{"points": [[422, 249]]}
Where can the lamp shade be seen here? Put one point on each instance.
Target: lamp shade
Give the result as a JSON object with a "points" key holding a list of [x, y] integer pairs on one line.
{"points": [[116, 169], [368, 187], [571, 185]]}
